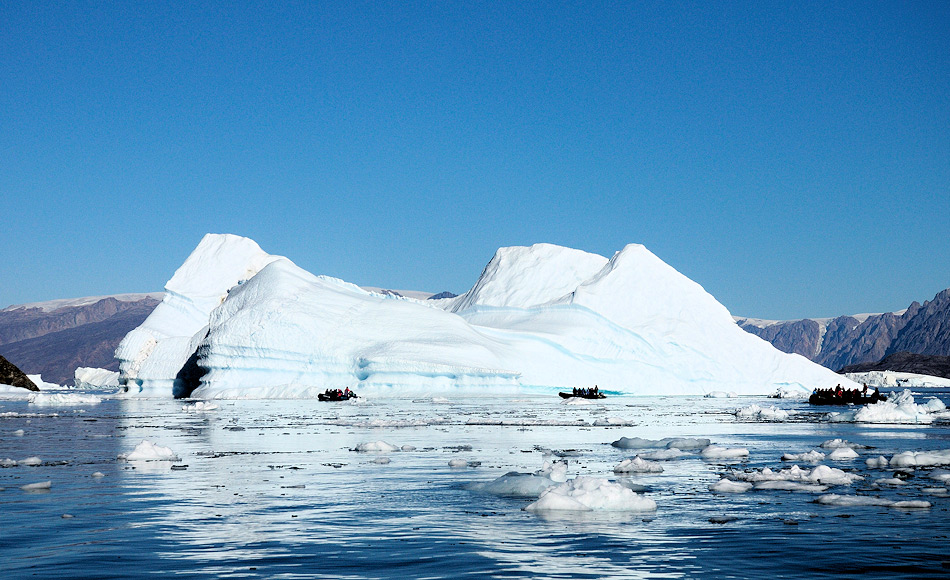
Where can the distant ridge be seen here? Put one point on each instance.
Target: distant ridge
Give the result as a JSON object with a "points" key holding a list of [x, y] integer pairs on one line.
{"points": [[53, 338], [866, 338]]}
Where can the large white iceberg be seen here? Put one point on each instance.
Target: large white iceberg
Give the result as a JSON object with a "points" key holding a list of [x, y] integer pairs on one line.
{"points": [[237, 322]]}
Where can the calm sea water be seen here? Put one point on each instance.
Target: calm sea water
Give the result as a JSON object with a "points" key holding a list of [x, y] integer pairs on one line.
{"points": [[273, 489]]}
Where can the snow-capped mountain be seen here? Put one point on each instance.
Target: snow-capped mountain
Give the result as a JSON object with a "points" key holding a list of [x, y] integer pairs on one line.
{"points": [[238, 322]]}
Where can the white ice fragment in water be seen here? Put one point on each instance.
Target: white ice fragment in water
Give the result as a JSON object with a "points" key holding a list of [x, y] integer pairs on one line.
{"points": [[921, 458], [18, 433], [843, 454], [515, 484], [407, 448], [889, 481], [757, 413], [591, 494], [721, 395], [63, 399], [717, 452], [876, 462], [98, 474], [726, 485], [376, 447], [866, 500], [148, 451], [638, 465], [556, 471], [199, 406], [41, 486], [31, 461], [667, 443], [382, 460], [841, 443], [787, 485], [809, 457], [821, 474], [8, 463], [457, 463]]}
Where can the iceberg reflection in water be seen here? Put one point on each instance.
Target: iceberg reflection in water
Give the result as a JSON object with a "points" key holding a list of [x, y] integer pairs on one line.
{"points": [[277, 489]]}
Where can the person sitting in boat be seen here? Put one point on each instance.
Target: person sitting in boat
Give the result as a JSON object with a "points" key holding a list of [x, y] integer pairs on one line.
{"points": [[346, 392]]}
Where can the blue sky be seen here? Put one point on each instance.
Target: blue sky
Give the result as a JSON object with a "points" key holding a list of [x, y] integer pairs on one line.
{"points": [[793, 158]]}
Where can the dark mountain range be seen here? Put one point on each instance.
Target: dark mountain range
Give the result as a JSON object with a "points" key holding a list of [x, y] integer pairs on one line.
{"points": [[53, 342], [847, 340]]}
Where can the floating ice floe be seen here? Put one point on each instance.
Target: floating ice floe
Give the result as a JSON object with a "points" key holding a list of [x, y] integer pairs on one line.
{"points": [[662, 454], [726, 485], [843, 454], [787, 485], [376, 447], [8, 462], [667, 443], [382, 460], [721, 395], [921, 458], [900, 408], [638, 465], [18, 433], [820, 474], [199, 406], [895, 481], [515, 484], [839, 443], [31, 461], [41, 486], [11, 393], [866, 500], [48, 399], [43, 385], [787, 392], [591, 494], [808, 457], [457, 463], [756, 413], [148, 451], [717, 452], [98, 474], [879, 462]]}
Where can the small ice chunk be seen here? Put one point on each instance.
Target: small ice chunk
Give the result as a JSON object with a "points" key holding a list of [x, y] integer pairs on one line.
{"points": [[199, 406], [18, 433], [407, 448], [31, 461], [382, 460], [841, 443], [726, 485], [667, 443], [756, 413], [721, 395], [43, 485], [556, 471], [457, 463], [866, 500], [148, 451], [376, 447], [889, 481], [716, 452], [8, 462], [921, 458], [843, 454], [98, 474], [591, 494], [809, 457], [638, 465], [515, 484], [876, 463], [49, 399], [662, 454], [786, 485]]}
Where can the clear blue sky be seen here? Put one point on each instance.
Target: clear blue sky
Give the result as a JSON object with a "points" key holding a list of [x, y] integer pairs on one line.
{"points": [[793, 158]]}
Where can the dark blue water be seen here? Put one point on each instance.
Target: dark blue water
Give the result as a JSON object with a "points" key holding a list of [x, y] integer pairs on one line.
{"points": [[272, 489]]}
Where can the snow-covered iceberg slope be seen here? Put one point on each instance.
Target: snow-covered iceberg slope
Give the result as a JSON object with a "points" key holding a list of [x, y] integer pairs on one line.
{"points": [[237, 322]]}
